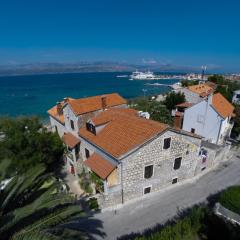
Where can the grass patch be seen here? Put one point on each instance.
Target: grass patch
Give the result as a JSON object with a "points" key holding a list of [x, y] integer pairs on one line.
{"points": [[230, 199]]}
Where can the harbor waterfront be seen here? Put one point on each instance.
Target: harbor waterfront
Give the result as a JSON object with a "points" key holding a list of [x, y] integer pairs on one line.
{"points": [[33, 94]]}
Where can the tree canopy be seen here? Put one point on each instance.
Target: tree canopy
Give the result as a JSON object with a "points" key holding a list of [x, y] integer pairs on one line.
{"points": [[173, 98], [25, 143]]}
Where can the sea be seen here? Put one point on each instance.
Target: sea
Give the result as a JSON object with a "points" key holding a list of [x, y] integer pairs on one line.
{"points": [[35, 94]]}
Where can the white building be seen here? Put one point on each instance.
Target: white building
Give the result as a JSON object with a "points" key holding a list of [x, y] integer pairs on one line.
{"points": [[210, 118], [236, 97]]}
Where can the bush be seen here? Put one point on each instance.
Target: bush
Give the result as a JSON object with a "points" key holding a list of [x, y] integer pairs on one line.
{"points": [[173, 98], [230, 199], [93, 203]]}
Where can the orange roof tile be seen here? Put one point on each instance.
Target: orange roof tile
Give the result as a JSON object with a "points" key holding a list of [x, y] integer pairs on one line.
{"points": [[99, 165], [123, 132], [222, 106], [107, 116], [70, 140], [202, 90], [91, 104]]}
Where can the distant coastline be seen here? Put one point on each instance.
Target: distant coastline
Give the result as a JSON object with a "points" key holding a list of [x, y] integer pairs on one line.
{"points": [[101, 67]]}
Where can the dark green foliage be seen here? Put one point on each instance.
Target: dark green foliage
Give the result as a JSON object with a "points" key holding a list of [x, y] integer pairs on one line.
{"points": [[158, 111], [184, 229], [230, 199], [236, 119], [173, 98], [93, 204], [98, 182], [26, 144], [186, 83], [225, 87], [218, 79], [32, 203]]}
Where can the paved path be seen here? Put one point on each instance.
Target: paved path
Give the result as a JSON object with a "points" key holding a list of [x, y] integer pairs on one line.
{"points": [[157, 208]]}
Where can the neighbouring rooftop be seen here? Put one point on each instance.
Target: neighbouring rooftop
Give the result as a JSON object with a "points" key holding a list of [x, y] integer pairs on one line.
{"points": [[202, 90], [86, 105]]}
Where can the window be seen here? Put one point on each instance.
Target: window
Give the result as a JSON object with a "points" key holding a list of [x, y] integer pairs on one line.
{"points": [[238, 96], [167, 143], [72, 124], [147, 190], [192, 130], [200, 118], [203, 168], [56, 129], [174, 180], [177, 163], [91, 128], [204, 159], [87, 154], [148, 171]]}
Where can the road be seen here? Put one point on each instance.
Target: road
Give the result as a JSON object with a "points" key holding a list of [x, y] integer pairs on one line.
{"points": [[157, 208]]}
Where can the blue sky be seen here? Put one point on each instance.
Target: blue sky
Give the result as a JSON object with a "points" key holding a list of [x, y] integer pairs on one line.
{"points": [[178, 32]]}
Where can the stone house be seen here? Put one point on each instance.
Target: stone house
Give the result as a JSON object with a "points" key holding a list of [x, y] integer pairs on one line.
{"points": [[134, 156], [69, 115]]}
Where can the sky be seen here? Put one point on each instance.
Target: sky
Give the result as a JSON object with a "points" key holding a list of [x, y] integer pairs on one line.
{"points": [[177, 32]]}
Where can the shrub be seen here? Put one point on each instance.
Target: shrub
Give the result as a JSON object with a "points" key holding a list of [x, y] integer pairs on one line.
{"points": [[230, 199]]}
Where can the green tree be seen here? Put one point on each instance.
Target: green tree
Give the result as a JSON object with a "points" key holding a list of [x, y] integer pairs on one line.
{"points": [[218, 79], [160, 113], [173, 98], [32, 206], [25, 143]]}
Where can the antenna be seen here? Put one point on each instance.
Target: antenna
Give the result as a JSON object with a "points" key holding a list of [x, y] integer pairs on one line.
{"points": [[204, 68]]}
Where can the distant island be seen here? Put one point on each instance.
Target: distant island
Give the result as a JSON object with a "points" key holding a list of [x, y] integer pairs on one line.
{"points": [[83, 67]]}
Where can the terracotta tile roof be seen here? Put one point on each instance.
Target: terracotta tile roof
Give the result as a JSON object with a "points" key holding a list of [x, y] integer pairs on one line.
{"points": [[222, 106], [202, 90], [184, 105], [211, 84], [107, 116], [99, 165], [58, 115], [91, 104], [123, 132], [70, 140]]}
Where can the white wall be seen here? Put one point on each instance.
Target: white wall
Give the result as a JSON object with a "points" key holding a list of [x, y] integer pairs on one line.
{"points": [[69, 115], [204, 119], [60, 127]]}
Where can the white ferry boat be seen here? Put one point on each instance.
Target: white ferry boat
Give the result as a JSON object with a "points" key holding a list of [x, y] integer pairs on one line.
{"points": [[142, 75]]}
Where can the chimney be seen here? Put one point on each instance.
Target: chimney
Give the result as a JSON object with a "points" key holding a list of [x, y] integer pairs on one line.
{"points": [[178, 121], [104, 102], [209, 99], [59, 108]]}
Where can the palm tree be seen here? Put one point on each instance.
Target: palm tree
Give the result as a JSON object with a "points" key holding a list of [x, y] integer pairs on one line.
{"points": [[32, 206]]}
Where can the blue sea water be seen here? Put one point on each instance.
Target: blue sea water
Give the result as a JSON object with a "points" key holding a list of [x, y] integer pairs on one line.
{"points": [[35, 94]]}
